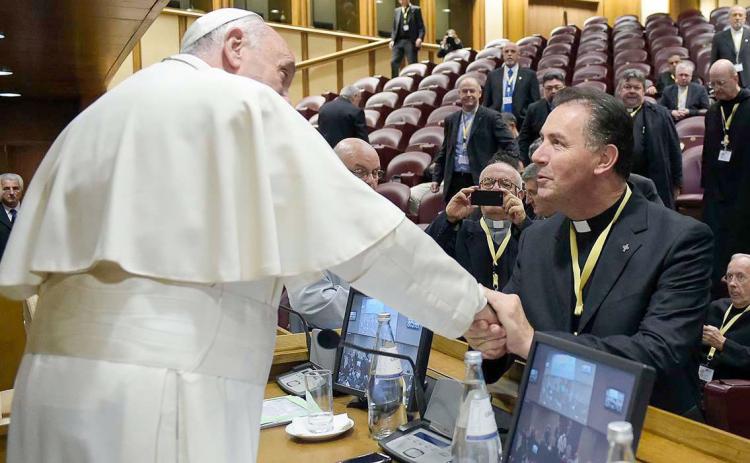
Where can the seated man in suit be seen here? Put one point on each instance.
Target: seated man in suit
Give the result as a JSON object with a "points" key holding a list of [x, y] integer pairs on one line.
{"points": [[668, 77], [324, 302], [684, 98], [342, 117], [511, 88], [472, 136], [726, 334], [485, 244], [552, 82], [610, 270]]}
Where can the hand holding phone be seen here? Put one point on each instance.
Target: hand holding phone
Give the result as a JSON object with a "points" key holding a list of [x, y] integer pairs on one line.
{"points": [[487, 198]]}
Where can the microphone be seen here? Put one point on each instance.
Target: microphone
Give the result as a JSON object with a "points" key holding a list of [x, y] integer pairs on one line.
{"points": [[328, 339]]}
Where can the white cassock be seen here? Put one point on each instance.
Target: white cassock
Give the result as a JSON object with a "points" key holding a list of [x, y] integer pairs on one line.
{"points": [[158, 232]]}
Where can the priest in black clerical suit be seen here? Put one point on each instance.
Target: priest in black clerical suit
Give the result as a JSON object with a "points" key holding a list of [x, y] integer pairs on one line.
{"points": [[649, 288]]}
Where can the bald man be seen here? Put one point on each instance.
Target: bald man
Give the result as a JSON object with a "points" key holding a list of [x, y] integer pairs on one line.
{"points": [[324, 302], [733, 44], [511, 88], [726, 170]]}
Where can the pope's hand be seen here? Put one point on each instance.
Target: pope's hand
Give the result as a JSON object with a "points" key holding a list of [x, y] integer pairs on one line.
{"points": [[512, 318], [486, 335]]}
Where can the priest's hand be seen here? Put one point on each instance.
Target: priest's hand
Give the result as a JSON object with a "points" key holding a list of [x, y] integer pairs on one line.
{"points": [[486, 335], [513, 206], [418, 43], [390, 44], [434, 187], [512, 318], [651, 90], [713, 337], [459, 207]]}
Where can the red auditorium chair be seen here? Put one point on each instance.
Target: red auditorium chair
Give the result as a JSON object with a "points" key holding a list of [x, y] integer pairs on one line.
{"points": [[389, 143], [630, 56], [402, 86], [699, 36], [314, 120], [397, 193], [535, 40], [628, 44], [626, 18], [562, 38], [373, 119], [438, 83], [595, 84], [690, 200], [598, 46], [725, 404], [664, 31], [688, 23], [432, 204], [594, 20], [591, 58], [703, 63], [562, 30], [692, 13], [662, 55], [594, 36], [540, 74], [451, 98], [310, 105], [495, 54], [691, 141], [482, 65], [409, 166], [528, 51], [626, 34], [717, 12], [452, 69], [593, 72], [465, 55], [596, 28], [427, 140], [329, 95], [407, 120], [416, 71], [437, 117], [695, 125], [369, 87], [479, 76], [497, 43], [383, 102], [525, 62], [554, 61], [669, 41], [559, 49], [658, 20], [425, 100], [645, 68]]}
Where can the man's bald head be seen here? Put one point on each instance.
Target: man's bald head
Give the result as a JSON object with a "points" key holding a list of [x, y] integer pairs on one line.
{"points": [[724, 80], [247, 47], [360, 158]]}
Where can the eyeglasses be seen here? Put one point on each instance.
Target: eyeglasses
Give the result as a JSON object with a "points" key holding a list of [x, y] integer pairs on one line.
{"points": [[550, 88], [717, 83], [740, 278], [489, 182], [362, 173]]}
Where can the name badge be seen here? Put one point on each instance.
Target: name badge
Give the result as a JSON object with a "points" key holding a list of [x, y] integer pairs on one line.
{"points": [[705, 374], [463, 159], [507, 100], [405, 28], [725, 155], [738, 67]]}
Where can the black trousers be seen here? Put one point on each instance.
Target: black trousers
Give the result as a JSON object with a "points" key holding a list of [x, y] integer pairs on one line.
{"points": [[459, 181], [401, 47]]}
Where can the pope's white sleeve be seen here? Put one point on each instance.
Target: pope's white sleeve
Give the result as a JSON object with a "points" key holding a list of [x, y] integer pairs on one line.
{"points": [[409, 272]]}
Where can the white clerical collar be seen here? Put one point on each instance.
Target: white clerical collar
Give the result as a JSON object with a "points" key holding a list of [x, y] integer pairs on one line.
{"points": [[495, 224], [190, 60], [581, 226]]}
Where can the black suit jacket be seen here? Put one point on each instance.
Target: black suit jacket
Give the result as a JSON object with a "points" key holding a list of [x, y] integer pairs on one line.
{"points": [[646, 299], [525, 92], [697, 98], [466, 242], [722, 47], [662, 149], [5, 228], [536, 116], [413, 19], [733, 362], [646, 187], [488, 133], [666, 79], [339, 119]]}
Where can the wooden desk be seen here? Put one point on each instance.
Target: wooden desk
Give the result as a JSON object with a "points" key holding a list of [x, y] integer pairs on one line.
{"points": [[666, 438]]}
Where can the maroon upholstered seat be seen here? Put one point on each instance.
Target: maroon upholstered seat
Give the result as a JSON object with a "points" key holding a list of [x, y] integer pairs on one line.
{"points": [[425, 100], [310, 105], [426, 139], [554, 61], [626, 18], [401, 86], [437, 117], [557, 49], [384, 102], [411, 162], [628, 44], [592, 84], [397, 193], [525, 62], [593, 72], [529, 51], [373, 119], [589, 36], [726, 402], [663, 54], [630, 56], [690, 200], [594, 20], [451, 98], [492, 53], [465, 55], [594, 45], [716, 12], [415, 70], [591, 58], [669, 41], [388, 142], [408, 120], [625, 34], [691, 13], [451, 69], [497, 43], [562, 38], [540, 74], [484, 65], [369, 87], [432, 204], [645, 68], [563, 30], [687, 23], [438, 83], [535, 40], [695, 125], [663, 31]]}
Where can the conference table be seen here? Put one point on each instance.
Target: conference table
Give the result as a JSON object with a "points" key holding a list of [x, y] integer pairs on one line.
{"points": [[665, 438]]}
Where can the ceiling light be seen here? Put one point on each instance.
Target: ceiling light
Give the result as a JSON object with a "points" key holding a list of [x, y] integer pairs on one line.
{"points": [[2, 35], [275, 11], [446, 10], [5, 71], [9, 95]]}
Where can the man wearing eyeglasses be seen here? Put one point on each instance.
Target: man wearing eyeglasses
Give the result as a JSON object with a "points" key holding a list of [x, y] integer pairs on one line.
{"points": [[726, 170], [484, 239], [552, 82], [324, 302], [726, 334]]}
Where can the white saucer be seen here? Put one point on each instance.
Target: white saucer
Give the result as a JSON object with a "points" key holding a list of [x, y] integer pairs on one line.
{"points": [[298, 428]]}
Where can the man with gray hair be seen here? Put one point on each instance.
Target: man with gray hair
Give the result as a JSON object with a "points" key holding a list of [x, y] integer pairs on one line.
{"points": [[343, 118], [12, 192], [155, 325], [685, 98], [656, 147], [733, 44]]}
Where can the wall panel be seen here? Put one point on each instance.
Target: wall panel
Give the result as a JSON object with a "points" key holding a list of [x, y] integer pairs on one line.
{"points": [[614, 8], [545, 15], [161, 40], [356, 68], [323, 79]]}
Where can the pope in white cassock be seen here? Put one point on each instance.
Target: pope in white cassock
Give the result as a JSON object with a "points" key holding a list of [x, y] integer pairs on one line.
{"points": [[159, 231]]}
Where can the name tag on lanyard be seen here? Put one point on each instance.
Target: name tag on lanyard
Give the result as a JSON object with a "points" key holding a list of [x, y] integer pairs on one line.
{"points": [[705, 373], [725, 155]]}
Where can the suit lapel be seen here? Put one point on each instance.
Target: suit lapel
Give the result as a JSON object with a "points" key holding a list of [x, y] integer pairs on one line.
{"points": [[563, 284], [4, 218], [623, 242], [477, 118], [744, 40]]}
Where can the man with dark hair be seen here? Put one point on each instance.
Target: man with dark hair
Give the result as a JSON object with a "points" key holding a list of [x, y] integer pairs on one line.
{"points": [[472, 136], [511, 122], [485, 244], [610, 270], [407, 35], [552, 82], [685, 98], [511, 88], [656, 146], [343, 118], [733, 44]]}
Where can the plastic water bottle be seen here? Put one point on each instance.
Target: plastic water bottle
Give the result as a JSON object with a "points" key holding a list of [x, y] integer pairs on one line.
{"points": [[620, 437], [386, 409], [475, 439]]}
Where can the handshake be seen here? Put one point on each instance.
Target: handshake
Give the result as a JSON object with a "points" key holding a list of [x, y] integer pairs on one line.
{"points": [[501, 327]]}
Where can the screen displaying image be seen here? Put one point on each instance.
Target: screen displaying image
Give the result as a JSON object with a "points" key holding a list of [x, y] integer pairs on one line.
{"points": [[566, 409], [354, 366]]}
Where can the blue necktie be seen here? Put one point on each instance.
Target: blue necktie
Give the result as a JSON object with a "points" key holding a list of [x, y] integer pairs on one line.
{"points": [[13, 213], [508, 107]]}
